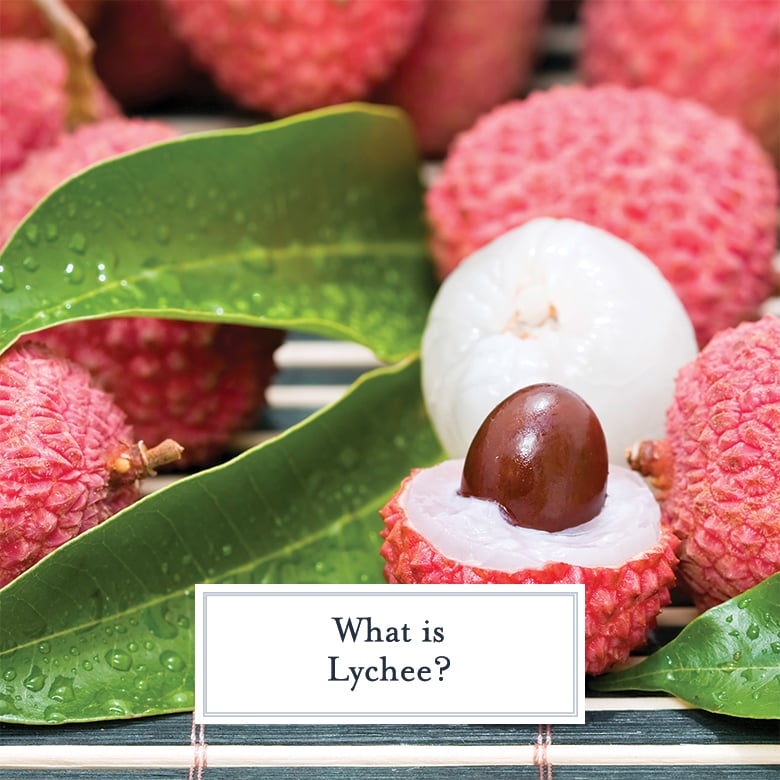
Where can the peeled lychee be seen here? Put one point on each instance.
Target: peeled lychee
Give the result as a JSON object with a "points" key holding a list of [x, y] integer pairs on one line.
{"points": [[34, 101], [555, 300], [437, 532], [468, 57], [723, 53], [718, 468], [68, 459], [282, 57], [689, 188], [23, 18], [194, 381]]}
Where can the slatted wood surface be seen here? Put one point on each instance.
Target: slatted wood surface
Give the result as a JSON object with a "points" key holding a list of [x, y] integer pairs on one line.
{"points": [[628, 736]]}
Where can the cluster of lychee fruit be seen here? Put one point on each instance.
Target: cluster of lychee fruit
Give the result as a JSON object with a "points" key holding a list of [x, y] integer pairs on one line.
{"points": [[604, 250]]}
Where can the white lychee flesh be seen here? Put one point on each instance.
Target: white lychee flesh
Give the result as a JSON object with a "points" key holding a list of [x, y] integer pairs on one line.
{"points": [[555, 300], [473, 531]]}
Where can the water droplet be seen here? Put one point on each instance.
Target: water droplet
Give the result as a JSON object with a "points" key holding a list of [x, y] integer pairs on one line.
{"points": [[61, 689], [7, 279], [52, 232], [9, 676], [753, 631], [44, 647], [183, 699], [172, 661], [119, 660], [78, 243], [74, 274], [742, 603], [53, 715], [87, 666], [32, 234], [183, 622], [116, 707], [35, 680], [148, 645], [729, 618], [132, 647], [227, 550], [775, 646], [737, 655]]}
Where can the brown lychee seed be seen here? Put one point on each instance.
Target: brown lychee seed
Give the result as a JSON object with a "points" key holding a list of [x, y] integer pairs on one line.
{"points": [[66, 458], [541, 455]]}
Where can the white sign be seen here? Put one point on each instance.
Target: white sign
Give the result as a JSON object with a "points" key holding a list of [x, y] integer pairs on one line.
{"points": [[390, 654]]}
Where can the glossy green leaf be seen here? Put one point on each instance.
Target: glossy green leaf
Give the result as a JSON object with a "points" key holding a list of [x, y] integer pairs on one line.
{"points": [[726, 660], [312, 223], [103, 627]]}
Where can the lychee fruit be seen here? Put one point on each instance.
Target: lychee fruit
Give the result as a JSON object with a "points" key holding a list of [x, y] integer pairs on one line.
{"points": [[555, 300], [689, 188], [535, 502], [718, 468], [33, 108], [69, 458], [282, 57], [197, 382], [138, 57], [723, 53], [23, 18], [194, 381], [468, 57]]}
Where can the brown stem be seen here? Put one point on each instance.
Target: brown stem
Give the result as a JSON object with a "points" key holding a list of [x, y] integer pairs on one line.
{"points": [[653, 459], [76, 45], [139, 462]]}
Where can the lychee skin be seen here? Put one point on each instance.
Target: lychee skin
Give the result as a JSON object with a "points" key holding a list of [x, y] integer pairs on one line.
{"points": [[690, 189], [137, 55], [58, 436], [722, 53], [196, 382], [719, 466], [283, 57], [193, 381], [621, 603], [34, 102], [23, 19], [468, 57]]}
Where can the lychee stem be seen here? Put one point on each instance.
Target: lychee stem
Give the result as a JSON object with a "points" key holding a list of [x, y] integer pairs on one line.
{"points": [[653, 459], [77, 47], [139, 462]]}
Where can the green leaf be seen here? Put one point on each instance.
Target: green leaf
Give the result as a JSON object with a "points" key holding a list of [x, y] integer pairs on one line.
{"points": [[312, 223], [103, 627], [726, 660]]}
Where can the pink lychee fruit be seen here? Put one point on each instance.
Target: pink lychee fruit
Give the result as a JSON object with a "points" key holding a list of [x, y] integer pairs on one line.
{"points": [[535, 502], [723, 53], [69, 459], [23, 18], [689, 188], [138, 57], [718, 469], [282, 57], [197, 382], [34, 100], [468, 57]]}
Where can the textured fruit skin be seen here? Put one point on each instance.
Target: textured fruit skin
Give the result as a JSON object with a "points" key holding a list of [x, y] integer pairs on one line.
{"points": [[621, 603], [33, 104], [719, 466], [723, 53], [468, 57], [286, 56], [198, 383], [137, 55], [21, 18], [58, 435], [689, 188]]}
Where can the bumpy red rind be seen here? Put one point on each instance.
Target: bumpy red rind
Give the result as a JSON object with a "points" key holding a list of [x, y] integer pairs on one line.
{"points": [[621, 603]]}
